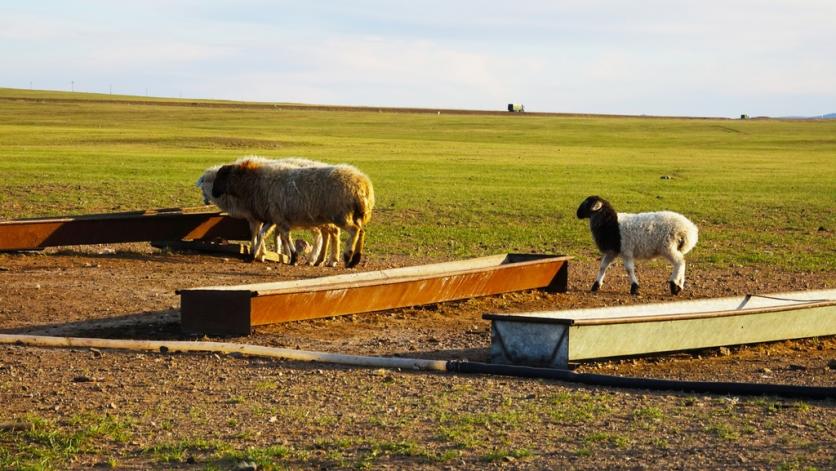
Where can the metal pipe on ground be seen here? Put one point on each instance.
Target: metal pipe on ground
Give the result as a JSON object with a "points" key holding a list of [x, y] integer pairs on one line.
{"points": [[466, 367]]}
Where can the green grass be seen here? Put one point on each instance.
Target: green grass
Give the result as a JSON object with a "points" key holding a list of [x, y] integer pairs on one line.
{"points": [[449, 186], [43, 444]]}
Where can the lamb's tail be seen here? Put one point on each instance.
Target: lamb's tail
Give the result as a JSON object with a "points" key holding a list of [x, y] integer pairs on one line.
{"points": [[686, 237]]}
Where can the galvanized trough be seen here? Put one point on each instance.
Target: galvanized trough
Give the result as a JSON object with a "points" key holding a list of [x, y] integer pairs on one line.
{"points": [[234, 310], [556, 338], [136, 226]]}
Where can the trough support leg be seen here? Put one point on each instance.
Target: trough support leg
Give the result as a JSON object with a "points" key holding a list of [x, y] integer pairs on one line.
{"points": [[560, 282]]}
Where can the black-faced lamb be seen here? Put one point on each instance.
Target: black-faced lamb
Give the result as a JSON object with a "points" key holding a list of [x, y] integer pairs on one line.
{"points": [[639, 236], [325, 237], [292, 197]]}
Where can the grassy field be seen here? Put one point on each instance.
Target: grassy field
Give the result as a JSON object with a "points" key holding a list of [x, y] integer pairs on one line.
{"points": [[448, 186]]}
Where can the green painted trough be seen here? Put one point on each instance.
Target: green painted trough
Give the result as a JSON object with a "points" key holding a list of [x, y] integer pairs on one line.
{"points": [[555, 338]]}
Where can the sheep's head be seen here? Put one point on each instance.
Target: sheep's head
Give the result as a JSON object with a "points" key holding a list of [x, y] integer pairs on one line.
{"points": [[206, 182], [590, 206], [221, 184]]}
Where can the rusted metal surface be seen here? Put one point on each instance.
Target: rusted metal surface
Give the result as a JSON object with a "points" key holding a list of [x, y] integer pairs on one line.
{"points": [[227, 310], [136, 226]]}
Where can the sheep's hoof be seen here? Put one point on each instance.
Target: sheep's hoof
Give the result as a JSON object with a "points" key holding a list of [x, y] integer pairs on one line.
{"points": [[634, 289], [674, 288], [595, 286], [351, 262], [293, 258]]}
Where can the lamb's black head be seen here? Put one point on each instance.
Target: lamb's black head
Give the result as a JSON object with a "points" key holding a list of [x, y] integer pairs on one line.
{"points": [[219, 187], [592, 205]]}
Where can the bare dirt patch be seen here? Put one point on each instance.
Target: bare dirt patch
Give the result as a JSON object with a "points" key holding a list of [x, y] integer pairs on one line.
{"points": [[209, 411]]}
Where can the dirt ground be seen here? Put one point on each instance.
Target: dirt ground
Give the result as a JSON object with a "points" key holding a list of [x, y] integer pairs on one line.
{"points": [[214, 412]]}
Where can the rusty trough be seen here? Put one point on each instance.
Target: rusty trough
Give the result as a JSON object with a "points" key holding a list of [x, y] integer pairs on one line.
{"points": [[137, 226], [234, 310]]}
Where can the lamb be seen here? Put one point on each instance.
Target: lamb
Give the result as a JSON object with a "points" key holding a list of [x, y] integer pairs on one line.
{"points": [[639, 236], [302, 197], [235, 209]]}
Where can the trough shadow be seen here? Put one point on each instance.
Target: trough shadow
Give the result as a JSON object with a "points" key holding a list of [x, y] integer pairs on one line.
{"points": [[135, 255], [153, 325]]}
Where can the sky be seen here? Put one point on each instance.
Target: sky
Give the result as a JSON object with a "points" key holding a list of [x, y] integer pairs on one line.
{"points": [[655, 57]]}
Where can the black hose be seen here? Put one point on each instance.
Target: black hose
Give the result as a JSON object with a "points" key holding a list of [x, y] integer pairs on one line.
{"points": [[726, 388]]}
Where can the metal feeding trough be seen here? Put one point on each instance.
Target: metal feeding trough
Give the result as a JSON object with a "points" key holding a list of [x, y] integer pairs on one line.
{"points": [[137, 226], [556, 338], [226, 310]]}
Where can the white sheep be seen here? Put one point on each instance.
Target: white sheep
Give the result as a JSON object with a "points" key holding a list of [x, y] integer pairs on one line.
{"points": [[324, 236], [291, 197], [639, 236]]}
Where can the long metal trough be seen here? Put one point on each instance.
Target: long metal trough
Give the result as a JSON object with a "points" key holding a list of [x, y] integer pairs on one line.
{"points": [[556, 338], [228, 310], [136, 226]]}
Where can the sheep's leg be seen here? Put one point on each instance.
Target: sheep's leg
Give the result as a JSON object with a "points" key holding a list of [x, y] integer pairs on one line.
{"points": [[255, 238], [677, 279], [267, 230], [325, 235], [606, 260], [317, 247], [358, 250], [351, 256], [287, 245], [278, 241], [630, 266], [334, 246]]}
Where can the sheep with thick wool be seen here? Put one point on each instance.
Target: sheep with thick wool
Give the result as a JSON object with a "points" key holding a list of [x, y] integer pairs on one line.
{"points": [[292, 197], [639, 236], [326, 236]]}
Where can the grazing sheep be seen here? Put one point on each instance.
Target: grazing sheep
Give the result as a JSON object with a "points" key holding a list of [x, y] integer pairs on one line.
{"points": [[230, 205], [302, 197], [639, 236], [323, 236]]}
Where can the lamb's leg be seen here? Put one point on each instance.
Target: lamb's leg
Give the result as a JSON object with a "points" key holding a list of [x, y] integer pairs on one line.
{"points": [[677, 279], [606, 260], [630, 266]]}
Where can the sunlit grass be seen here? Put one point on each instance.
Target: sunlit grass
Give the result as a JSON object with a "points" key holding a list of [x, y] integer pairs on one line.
{"points": [[450, 186]]}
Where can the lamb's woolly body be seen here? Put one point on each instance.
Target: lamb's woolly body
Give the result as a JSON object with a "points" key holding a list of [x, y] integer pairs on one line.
{"points": [[302, 197], [639, 236], [649, 235], [325, 237]]}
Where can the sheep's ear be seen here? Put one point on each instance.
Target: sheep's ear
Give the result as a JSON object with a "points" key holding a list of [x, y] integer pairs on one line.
{"points": [[595, 207]]}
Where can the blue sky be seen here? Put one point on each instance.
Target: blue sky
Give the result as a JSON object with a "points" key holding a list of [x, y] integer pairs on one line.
{"points": [[698, 58]]}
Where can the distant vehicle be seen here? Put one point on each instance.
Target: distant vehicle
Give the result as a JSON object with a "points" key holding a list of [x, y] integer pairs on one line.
{"points": [[744, 116], [516, 107]]}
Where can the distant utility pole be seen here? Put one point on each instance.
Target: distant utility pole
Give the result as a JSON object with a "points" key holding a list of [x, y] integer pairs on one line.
{"points": [[110, 88], [72, 85]]}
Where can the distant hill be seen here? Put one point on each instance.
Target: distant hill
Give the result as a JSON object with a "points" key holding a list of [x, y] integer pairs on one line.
{"points": [[821, 116]]}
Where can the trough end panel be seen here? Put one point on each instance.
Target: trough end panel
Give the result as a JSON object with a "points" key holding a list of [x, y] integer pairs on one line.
{"points": [[215, 312]]}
